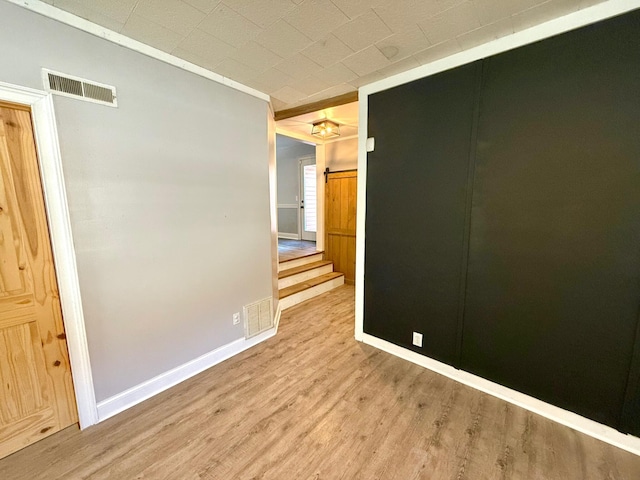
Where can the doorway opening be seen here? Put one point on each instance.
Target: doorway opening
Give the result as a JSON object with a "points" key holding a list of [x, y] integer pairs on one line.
{"points": [[321, 255]]}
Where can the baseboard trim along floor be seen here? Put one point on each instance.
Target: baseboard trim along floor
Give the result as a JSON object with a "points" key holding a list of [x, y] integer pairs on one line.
{"points": [[557, 414], [135, 395]]}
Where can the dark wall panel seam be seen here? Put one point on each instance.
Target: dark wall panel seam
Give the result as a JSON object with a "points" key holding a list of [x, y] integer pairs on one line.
{"points": [[464, 260]]}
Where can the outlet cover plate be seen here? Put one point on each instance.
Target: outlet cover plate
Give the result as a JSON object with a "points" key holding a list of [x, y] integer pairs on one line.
{"points": [[417, 339]]}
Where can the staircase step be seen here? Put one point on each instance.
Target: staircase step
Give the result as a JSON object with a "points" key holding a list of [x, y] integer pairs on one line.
{"points": [[301, 260], [303, 273], [313, 287]]}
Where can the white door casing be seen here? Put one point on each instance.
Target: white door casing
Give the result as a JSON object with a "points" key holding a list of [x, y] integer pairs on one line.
{"points": [[308, 199], [50, 162]]}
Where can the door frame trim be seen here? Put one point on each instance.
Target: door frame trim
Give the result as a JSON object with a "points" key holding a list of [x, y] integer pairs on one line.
{"points": [[305, 158], [57, 211]]}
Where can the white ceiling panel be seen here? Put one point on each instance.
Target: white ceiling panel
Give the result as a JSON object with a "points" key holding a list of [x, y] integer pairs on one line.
{"points": [[88, 12], [205, 6], [338, 73], [299, 51], [366, 61], [229, 26], [289, 94], [175, 15], [206, 46], [363, 31], [541, 13], [146, 31], [328, 51], [233, 69], [263, 12], [479, 36], [450, 23], [355, 8], [256, 56], [283, 39], [316, 18], [402, 45], [117, 9], [271, 80], [311, 85], [298, 66], [490, 11], [438, 51]]}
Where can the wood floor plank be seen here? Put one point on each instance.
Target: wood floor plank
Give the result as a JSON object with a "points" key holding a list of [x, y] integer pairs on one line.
{"points": [[292, 249], [312, 403], [305, 285]]}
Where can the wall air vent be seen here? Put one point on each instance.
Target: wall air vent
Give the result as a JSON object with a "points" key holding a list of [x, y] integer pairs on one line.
{"points": [[80, 88], [258, 317]]}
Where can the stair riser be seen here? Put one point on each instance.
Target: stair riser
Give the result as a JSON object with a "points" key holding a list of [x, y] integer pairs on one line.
{"points": [[300, 297], [303, 276], [298, 262]]}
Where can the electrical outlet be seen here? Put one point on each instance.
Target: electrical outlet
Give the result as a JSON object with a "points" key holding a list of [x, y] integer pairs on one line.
{"points": [[417, 339], [236, 318]]}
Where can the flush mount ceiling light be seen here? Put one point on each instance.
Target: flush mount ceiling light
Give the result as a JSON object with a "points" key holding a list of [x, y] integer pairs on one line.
{"points": [[325, 129]]}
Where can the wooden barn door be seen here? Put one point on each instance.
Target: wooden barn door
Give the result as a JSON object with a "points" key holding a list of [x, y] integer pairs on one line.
{"points": [[36, 389], [340, 222]]}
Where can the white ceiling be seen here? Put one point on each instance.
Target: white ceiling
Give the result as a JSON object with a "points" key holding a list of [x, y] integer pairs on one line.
{"points": [[303, 51]]}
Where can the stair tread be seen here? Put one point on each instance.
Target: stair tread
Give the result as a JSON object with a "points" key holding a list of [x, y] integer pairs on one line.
{"points": [[299, 287], [301, 256], [303, 268]]}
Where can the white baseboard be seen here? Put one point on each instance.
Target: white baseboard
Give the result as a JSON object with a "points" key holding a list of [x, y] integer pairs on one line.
{"points": [[134, 395], [289, 236], [557, 414]]}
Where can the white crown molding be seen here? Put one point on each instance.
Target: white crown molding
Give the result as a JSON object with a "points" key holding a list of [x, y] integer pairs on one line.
{"points": [[85, 25], [572, 21]]}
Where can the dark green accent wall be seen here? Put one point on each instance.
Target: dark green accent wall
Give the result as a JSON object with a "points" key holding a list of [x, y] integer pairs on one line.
{"points": [[503, 219]]}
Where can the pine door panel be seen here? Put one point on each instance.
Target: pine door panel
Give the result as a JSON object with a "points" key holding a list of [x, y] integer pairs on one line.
{"points": [[340, 221], [36, 394]]}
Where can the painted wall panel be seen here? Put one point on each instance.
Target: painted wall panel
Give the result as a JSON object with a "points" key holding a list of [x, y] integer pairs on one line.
{"points": [[417, 181], [552, 290], [168, 196], [554, 264], [342, 155]]}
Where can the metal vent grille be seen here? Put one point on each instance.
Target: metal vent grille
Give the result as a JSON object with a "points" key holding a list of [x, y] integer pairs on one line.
{"points": [[258, 317], [70, 86]]}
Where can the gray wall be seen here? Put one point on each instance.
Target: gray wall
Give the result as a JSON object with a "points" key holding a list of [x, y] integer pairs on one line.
{"points": [[168, 197], [288, 154], [342, 155]]}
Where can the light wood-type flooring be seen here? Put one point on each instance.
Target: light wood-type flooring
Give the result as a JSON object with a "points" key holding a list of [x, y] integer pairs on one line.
{"points": [[312, 404], [290, 249]]}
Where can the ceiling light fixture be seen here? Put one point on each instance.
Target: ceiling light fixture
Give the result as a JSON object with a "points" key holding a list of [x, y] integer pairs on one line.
{"points": [[325, 129]]}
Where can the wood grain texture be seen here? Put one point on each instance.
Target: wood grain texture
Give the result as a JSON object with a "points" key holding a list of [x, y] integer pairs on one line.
{"points": [[303, 268], [292, 249], [37, 397], [312, 282], [314, 107], [340, 222], [312, 403]]}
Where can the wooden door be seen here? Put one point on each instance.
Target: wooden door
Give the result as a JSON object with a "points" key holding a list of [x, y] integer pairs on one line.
{"points": [[340, 222], [36, 389]]}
